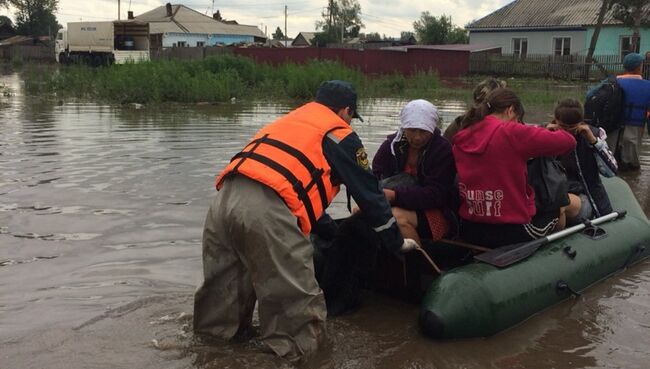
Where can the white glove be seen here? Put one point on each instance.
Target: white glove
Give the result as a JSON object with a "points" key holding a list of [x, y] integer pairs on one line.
{"points": [[408, 245]]}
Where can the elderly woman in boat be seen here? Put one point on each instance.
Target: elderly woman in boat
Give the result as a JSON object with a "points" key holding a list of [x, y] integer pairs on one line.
{"points": [[422, 208]]}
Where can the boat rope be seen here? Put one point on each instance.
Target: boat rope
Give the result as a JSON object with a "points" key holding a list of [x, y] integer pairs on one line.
{"points": [[426, 256], [466, 245]]}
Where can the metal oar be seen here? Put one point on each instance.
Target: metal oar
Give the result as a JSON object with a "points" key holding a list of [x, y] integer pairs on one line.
{"points": [[510, 254]]}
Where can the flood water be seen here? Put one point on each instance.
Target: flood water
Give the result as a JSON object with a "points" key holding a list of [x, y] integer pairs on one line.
{"points": [[101, 214]]}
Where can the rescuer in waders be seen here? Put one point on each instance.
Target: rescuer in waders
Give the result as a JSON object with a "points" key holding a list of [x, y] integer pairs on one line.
{"points": [[627, 140], [271, 196]]}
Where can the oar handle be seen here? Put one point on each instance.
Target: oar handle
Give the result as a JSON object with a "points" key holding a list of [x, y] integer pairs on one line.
{"points": [[576, 228], [510, 254]]}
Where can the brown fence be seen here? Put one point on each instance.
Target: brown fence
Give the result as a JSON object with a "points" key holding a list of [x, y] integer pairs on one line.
{"points": [[27, 52], [187, 52], [447, 63], [562, 67]]}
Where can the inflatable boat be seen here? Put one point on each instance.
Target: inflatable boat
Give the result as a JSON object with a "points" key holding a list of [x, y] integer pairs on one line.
{"points": [[503, 287]]}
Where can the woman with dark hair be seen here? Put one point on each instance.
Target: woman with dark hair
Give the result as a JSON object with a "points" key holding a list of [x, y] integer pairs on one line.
{"points": [[491, 152], [480, 92], [592, 157]]}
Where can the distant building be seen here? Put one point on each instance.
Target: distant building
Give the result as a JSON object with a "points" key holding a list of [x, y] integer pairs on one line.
{"points": [[304, 39], [554, 27], [179, 26], [25, 41]]}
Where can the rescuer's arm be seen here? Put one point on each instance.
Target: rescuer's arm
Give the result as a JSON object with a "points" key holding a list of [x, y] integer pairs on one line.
{"points": [[349, 163]]}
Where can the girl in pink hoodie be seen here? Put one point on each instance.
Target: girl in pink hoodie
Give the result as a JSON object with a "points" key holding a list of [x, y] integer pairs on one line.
{"points": [[491, 152]]}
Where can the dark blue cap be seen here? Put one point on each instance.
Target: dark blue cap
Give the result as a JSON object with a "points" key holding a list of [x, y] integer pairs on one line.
{"points": [[632, 61], [338, 95]]}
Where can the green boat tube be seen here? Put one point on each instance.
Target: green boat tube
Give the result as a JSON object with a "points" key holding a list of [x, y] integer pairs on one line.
{"points": [[480, 300]]}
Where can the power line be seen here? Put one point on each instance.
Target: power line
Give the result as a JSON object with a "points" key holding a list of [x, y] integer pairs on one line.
{"points": [[247, 5], [292, 13], [381, 20]]}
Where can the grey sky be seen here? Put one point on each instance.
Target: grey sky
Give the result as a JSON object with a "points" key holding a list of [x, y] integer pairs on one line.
{"points": [[387, 17]]}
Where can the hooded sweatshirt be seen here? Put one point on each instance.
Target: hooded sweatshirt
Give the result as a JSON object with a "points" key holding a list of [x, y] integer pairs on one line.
{"points": [[491, 160]]}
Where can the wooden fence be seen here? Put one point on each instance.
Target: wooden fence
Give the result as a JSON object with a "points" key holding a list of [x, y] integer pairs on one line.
{"points": [[561, 67], [27, 52]]}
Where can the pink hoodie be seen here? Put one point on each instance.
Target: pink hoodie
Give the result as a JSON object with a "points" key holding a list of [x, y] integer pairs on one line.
{"points": [[491, 159]]}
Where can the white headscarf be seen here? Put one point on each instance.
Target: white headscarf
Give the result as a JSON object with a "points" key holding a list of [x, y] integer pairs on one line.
{"points": [[419, 114]]}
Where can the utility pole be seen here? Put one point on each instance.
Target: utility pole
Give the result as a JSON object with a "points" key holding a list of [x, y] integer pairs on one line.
{"points": [[286, 35], [329, 16], [118, 10]]}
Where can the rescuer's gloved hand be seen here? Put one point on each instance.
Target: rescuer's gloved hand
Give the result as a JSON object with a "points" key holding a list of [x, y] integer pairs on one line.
{"points": [[408, 245]]}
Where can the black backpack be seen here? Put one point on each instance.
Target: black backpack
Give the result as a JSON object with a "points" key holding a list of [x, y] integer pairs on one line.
{"points": [[548, 179], [604, 105]]}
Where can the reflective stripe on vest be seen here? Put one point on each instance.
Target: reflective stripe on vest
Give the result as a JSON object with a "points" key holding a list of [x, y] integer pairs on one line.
{"points": [[287, 157]]}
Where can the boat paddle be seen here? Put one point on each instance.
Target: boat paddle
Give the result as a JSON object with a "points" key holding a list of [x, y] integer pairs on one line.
{"points": [[510, 254]]}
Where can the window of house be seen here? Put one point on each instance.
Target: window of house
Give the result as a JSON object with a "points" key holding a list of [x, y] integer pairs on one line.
{"points": [[562, 46], [182, 44], [200, 43], [520, 46], [626, 45]]}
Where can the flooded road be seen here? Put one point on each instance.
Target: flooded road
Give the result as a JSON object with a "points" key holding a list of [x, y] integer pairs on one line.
{"points": [[101, 214]]}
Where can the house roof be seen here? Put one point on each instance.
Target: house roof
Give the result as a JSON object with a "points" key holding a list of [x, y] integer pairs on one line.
{"points": [[24, 40], [545, 14], [472, 48], [186, 20], [308, 36]]}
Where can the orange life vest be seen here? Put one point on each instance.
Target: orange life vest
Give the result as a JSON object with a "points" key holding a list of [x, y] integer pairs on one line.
{"points": [[287, 156]]}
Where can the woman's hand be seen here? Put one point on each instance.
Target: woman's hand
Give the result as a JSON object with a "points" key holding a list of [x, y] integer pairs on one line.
{"points": [[584, 130], [390, 195], [553, 126]]}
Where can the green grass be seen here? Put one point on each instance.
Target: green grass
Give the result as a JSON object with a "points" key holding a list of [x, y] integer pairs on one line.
{"points": [[220, 78]]}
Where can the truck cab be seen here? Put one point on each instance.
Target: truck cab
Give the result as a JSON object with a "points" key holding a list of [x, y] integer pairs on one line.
{"points": [[60, 44]]}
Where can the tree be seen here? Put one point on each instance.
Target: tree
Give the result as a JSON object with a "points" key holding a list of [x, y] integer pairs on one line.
{"points": [[373, 36], [405, 35], [438, 30], [594, 40], [278, 34], [633, 15], [341, 19], [4, 20], [36, 17]]}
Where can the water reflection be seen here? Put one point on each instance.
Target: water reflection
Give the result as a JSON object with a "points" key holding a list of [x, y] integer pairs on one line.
{"points": [[101, 213]]}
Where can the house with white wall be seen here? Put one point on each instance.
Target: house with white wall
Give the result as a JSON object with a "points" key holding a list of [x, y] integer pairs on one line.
{"points": [[179, 26], [555, 27]]}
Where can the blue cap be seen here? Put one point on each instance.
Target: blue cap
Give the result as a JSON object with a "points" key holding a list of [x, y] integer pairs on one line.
{"points": [[338, 94], [632, 61]]}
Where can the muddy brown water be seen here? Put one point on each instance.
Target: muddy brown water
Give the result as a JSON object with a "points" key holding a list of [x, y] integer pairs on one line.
{"points": [[101, 212]]}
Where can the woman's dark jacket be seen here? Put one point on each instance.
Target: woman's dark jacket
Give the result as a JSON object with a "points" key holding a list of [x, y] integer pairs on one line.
{"points": [[583, 174], [435, 174]]}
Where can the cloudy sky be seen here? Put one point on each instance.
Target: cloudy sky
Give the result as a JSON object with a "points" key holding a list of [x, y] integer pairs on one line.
{"points": [[388, 17]]}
